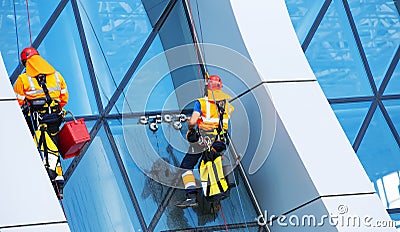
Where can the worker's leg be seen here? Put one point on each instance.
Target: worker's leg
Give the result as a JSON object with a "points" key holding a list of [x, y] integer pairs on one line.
{"points": [[188, 163]]}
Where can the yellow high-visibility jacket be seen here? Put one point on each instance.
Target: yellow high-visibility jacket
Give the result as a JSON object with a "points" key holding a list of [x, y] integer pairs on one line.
{"points": [[27, 87], [209, 119]]}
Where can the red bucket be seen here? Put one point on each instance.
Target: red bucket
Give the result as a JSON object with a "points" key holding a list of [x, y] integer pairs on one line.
{"points": [[72, 137]]}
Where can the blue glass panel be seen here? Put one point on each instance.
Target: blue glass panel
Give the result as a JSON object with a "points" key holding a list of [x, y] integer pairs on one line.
{"points": [[115, 32], [303, 14], [393, 86], [395, 217], [379, 153], [351, 116], [149, 193], [151, 85], [95, 197], [66, 162], [378, 25], [175, 32], [154, 9], [176, 218], [39, 12], [62, 48], [334, 57], [393, 109]]}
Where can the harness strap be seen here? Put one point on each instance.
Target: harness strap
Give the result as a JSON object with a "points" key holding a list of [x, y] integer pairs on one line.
{"points": [[42, 141], [41, 78]]}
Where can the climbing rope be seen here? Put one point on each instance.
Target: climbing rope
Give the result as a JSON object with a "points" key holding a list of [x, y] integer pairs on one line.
{"points": [[198, 48], [16, 29], [206, 76], [223, 217], [29, 22]]}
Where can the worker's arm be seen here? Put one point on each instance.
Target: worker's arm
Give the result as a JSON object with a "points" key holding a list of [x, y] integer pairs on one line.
{"points": [[193, 120], [19, 91], [64, 91]]}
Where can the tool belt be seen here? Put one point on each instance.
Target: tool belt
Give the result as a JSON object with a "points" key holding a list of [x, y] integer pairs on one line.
{"points": [[48, 113]]}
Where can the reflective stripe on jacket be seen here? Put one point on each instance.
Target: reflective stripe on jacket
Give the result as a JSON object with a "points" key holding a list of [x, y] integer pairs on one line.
{"points": [[27, 87], [209, 119]]}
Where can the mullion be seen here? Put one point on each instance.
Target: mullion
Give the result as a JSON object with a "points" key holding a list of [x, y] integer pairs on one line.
{"points": [[315, 25], [124, 174], [364, 126], [389, 122], [121, 87], [88, 58], [360, 47], [389, 72]]}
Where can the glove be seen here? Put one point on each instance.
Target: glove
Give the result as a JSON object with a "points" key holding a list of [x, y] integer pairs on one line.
{"points": [[64, 112], [192, 135]]}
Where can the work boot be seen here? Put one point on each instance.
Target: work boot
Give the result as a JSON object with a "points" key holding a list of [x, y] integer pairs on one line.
{"points": [[59, 187], [191, 201]]}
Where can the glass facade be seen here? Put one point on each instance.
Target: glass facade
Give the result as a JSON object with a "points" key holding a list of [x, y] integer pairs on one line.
{"points": [[101, 46], [353, 49]]}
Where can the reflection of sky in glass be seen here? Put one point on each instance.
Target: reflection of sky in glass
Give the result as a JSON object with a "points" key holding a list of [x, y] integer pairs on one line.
{"points": [[351, 116], [115, 32], [95, 198], [303, 13], [70, 61], [393, 86], [378, 25], [334, 57], [39, 11], [379, 152], [154, 85]]}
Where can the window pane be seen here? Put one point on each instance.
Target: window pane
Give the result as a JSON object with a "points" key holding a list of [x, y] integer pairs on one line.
{"points": [[39, 13], [334, 57], [393, 109], [378, 25], [393, 86], [379, 157], [351, 116], [151, 85], [154, 9], [95, 197], [115, 32], [63, 49], [303, 14], [141, 145]]}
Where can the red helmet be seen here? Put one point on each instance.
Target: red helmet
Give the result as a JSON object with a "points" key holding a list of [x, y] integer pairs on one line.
{"points": [[214, 82], [28, 53]]}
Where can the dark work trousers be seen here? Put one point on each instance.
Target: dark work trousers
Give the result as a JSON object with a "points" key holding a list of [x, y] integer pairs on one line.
{"points": [[190, 160]]}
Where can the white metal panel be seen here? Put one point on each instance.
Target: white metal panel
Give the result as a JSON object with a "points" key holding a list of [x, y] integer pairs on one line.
{"points": [[61, 227], [271, 41], [319, 139], [27, 196], [6, 91]]}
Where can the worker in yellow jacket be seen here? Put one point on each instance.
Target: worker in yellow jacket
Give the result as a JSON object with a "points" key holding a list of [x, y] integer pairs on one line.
{"points": [[206, 116], [42, 93]]}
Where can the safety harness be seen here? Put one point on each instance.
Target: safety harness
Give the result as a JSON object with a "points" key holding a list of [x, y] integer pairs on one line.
{"points": [[46, 115], [215, 186]]}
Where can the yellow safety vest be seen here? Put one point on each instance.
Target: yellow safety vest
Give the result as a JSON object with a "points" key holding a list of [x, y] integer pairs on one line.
{"points": [[27, 87], [209, 119]]}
